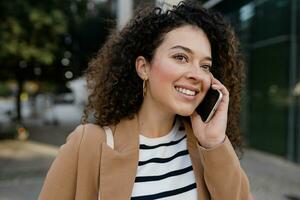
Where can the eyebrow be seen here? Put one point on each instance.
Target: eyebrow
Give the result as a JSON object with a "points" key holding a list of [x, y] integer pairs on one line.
{"points": [[189, 51]]}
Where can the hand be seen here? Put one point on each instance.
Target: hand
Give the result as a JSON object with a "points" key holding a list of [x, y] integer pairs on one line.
{"points": [[212, 133]]}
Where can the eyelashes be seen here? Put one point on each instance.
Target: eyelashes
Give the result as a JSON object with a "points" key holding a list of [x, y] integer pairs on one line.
{"points": [[206, 67], [182, 58]]}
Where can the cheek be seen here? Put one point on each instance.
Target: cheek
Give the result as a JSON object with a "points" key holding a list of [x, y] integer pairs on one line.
{"points": [[163, 74], [206, 81]]}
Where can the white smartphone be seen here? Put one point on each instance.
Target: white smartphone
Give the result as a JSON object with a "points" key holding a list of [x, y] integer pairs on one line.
{"points": [[209, 104]]}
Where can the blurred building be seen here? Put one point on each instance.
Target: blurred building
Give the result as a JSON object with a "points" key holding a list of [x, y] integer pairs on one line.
{"points": [[269, 31]]}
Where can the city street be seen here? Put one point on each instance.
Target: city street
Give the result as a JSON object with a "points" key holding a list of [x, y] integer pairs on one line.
{"points": [[24, 165], [63, 59]]}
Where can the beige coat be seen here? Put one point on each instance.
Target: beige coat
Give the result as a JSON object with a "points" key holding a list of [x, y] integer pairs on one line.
{"points": [[86, 165]]}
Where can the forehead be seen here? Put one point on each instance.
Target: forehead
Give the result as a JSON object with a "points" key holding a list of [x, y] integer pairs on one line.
{"points": [[188, 36]]}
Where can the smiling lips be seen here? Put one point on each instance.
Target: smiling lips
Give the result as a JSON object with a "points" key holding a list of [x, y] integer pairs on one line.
{"points": [[187, 91]]}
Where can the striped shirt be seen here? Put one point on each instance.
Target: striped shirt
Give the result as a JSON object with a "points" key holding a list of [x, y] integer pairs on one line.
{"points": [[165, 169]]}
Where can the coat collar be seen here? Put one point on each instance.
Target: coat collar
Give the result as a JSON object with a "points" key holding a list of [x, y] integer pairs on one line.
{"points": [[196, 158], [118, 166]]}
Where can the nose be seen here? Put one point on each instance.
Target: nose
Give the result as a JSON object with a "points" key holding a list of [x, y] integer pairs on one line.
{"points": [[194, 76], [197, 75]]}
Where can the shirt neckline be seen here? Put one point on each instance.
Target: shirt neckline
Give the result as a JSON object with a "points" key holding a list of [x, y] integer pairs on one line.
{"points": [[166, 138]]}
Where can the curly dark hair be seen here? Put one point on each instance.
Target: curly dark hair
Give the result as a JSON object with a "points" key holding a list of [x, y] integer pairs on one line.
{"points": [[114, 85]]}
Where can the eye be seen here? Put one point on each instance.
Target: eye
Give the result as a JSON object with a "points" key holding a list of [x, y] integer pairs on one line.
{"points": [[206, 67], [181, 58]]}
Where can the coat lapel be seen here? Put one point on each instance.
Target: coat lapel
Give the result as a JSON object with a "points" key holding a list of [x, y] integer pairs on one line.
{"points": [[116, 183], [119, 166], [196, 161]]}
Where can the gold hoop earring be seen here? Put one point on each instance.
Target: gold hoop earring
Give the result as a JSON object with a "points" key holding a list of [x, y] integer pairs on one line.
{"points": [[144, 87]]}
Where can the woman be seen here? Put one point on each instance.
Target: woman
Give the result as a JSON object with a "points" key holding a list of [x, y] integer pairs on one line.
{"points": [[145, 85]]}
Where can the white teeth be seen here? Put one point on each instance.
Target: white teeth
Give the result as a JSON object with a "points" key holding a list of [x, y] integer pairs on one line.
{"points": [[186, 91]]}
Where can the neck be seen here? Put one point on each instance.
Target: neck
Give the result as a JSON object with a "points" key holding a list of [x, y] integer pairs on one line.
{"points": [[153, 122]]}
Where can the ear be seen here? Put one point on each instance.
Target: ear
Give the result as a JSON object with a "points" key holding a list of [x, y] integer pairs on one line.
{"points": [[142, 67]]}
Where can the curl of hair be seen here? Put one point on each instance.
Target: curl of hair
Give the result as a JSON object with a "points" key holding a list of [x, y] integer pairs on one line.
{"points": [[115, 89]]}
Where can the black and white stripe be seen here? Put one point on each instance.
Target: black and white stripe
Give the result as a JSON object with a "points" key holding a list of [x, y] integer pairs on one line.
{"points": [[165, 170], [143, 146], [169, 193]]}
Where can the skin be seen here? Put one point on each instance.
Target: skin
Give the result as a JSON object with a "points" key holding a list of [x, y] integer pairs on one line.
{"points": [[183, 58]]}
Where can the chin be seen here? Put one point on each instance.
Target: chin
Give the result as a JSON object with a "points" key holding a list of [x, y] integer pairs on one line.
{"points": [[185, 113]]}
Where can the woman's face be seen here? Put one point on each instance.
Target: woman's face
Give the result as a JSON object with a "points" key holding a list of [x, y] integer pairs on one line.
{"points": [[179, 73]]}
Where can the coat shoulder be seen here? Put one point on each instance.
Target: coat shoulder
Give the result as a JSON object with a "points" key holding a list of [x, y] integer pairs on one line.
{"points": [[87, 136], [93, 131], [75, 170], [91, 134]]}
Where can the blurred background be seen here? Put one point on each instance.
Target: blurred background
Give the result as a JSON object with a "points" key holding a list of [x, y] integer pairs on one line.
{"points": [[45, 47]]}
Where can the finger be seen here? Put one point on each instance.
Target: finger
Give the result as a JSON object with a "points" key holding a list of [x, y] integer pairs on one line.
{"points": [[222, 89], [215, 81], [219, 86]]}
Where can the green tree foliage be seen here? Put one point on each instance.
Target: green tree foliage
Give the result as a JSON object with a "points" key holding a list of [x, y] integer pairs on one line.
{"points": [[30, 31], [36, 34], [43, 39]]}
